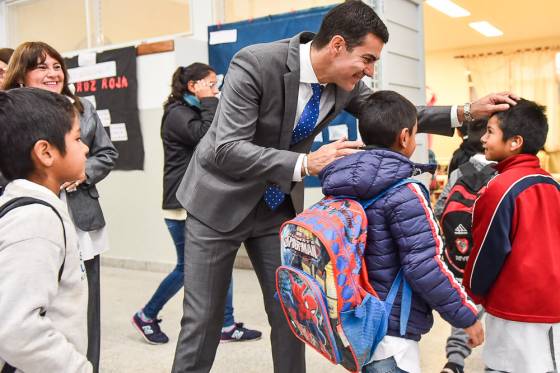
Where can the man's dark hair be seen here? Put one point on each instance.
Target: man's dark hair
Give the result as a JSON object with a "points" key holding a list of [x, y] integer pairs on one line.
{"points": [[383, 116], [528, 120], [28, 115], [352, 20]]}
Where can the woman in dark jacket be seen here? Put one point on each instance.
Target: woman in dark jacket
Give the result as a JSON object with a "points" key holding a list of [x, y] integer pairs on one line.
{"points": [[188, 113]]}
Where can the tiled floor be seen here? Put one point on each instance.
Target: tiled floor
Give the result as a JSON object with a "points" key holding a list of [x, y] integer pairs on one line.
{"points": [[123, 350]]}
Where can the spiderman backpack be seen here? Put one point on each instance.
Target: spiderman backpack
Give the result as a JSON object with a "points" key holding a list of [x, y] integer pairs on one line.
{"points": [[323, 286]]}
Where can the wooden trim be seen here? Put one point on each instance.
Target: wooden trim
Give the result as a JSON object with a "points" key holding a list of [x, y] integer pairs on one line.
{"points": [[157, 47]]}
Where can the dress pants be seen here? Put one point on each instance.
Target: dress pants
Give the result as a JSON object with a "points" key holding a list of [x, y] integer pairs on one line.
{"points": [[208, 270]]}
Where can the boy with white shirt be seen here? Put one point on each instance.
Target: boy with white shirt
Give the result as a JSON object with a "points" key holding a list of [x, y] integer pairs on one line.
{"points": [[43, 285]]}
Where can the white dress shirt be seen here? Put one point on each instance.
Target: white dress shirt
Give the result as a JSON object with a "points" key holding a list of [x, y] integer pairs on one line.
{"points": [[306, 77]]}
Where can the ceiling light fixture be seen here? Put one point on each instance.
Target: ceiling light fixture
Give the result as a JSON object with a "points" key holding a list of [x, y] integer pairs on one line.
{"points": [[448, 7], [486, 29]]}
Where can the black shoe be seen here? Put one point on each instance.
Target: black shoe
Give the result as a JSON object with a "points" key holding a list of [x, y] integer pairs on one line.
{"points": [[150, 330], [452, 368], [240, 334]]}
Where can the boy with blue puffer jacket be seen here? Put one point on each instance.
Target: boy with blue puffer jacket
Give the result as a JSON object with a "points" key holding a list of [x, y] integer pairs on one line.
{"points": [[402, 232]]}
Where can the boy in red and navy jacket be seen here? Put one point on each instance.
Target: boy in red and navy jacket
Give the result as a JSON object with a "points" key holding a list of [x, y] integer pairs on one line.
{"points": [[514, 268]]}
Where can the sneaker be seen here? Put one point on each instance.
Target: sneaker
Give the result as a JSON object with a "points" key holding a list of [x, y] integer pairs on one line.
{"points": [[452, 368], [240, 334], [150, 330]]}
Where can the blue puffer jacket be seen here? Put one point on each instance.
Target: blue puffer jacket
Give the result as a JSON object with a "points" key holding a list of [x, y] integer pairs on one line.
{"points": [[402, 231]]}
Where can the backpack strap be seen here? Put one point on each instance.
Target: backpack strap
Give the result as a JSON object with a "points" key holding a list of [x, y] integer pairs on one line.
{"points": [[25, 201], [406, 300], [467, 168], [7, 368], [475, 179]]}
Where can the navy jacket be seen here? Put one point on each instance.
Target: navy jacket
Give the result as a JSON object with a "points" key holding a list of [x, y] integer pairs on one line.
{"points": [[402, 231]]}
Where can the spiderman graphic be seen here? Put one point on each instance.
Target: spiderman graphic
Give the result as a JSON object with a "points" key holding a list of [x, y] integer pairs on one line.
{"points": [[307, 311]]}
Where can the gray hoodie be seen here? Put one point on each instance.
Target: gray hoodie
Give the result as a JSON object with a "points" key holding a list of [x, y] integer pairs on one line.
{"points": [[32, 251]]}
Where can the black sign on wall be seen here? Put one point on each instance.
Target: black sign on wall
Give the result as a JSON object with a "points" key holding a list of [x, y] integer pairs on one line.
{"points": [[108, 80]]}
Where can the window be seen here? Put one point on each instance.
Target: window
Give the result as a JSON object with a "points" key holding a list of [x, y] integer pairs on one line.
{"points": [[60, 23], [126, 20], [64, 23]]}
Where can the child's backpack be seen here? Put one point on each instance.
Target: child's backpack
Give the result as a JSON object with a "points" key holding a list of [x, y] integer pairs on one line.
{"points": [[323, 285], [456, 219]]}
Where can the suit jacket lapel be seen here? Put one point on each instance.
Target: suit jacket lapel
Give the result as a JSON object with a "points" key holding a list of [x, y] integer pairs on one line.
{"points": [[291, 88]]}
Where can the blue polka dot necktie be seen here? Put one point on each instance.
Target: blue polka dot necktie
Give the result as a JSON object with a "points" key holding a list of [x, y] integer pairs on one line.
{"points": [[273, 196]]}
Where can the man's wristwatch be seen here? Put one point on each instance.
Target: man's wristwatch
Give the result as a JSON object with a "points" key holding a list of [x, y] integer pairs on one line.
{"points": [[467, 112]]}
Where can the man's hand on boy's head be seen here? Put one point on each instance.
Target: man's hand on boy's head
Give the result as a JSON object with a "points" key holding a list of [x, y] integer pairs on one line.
{"points": [[328, 153], [484, 107], [475, 333]]}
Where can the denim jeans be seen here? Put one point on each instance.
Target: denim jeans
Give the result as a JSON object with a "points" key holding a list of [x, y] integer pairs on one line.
{"points": [[174, 281], [388, 365]]}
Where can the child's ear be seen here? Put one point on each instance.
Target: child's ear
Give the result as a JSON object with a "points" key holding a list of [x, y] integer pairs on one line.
{"points": [[404, 138], [516, 143], [43, 153]]}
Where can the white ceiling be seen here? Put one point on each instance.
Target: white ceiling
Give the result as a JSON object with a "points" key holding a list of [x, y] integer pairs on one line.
{"points": [[519, 20]]}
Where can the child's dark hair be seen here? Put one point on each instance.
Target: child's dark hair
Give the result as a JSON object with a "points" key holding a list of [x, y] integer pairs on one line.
{"points": [[383, 116], [528, 120], [28, 115]]}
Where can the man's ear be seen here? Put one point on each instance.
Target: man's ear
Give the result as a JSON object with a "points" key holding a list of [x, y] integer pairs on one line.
{"points": [[43, 153], [337, 44]]}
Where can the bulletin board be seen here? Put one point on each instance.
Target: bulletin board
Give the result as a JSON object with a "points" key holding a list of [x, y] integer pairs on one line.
{"points": [[108, 80], [227, 39]]}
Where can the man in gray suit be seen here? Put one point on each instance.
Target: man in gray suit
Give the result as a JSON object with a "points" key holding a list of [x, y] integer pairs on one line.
{"points": [[244, 178]]}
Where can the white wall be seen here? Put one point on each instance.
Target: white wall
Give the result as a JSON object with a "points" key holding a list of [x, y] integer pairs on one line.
{"points": [[131, 200], [402, 61]]}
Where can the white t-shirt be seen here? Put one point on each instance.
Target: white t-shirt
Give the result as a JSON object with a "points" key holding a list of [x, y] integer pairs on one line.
{"points": [[406, 353], [520, 347]]}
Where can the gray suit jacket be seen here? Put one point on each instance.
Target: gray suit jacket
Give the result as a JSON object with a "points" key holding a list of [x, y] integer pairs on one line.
{"points": [[248, 144], [84, 202]]}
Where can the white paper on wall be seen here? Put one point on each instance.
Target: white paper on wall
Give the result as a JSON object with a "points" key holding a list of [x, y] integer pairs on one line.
{"points": [[338, 131], [105, 116], [223, 36], [93, 72], [118, 132], [87, 58]]}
